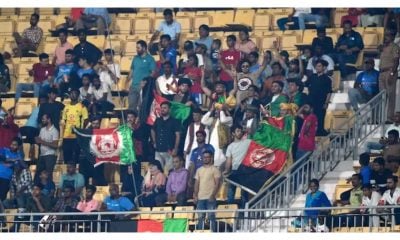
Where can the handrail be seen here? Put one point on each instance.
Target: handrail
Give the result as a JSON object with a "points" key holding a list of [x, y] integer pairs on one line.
{"points": [[285, 188]]}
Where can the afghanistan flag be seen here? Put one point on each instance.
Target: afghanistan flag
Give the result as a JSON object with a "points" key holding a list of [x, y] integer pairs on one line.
{"points": [[113, 145], [146, 225], [265, 157], [178, 110]]}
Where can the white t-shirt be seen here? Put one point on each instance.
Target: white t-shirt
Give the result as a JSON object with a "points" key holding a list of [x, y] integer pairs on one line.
{"points": [[98, 93], [48, 135], [162, 82], [325, 57], [237, 151], [298, 11], [391, 200], [171, 30], [84, 93]]}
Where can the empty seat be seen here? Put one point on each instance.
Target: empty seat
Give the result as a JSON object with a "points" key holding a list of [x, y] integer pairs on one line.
{"points": [[289, 40], [189, 216], [228, 217], [46, 25], [6, 27], [22, 25], [221, 18], [186, 24], [244, 16], [309, 35], [8, 103], [23, 109], [123, 26], [200, 20], [126, 64], [161, 216], [120, 103], [142, 25], [144, 215], [97, 40], [122, 85], [262, 21], [371, 40], [115, 43], [267, 42]]}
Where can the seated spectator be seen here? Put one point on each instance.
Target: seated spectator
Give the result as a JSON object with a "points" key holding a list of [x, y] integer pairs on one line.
{"points": [[353, 197], [322, 40], [110, 73], [88, 204], [315, 198], [100, 95], [61, 49], [370, 199], [276, 98], [379, 174], [319, 54], [393, 164], [52, 109], [384, 140], [372, 17], [366, 85], [43, 73], [6, 172], [184, 96], [86, 49], [170, 27], [64, 73], [391, 197], [294, 17], [167, 84], [47, 186], [393, 146], [153, 191], [9, 130], [116, 203], [205, 38], [295, 92], [208, 182], [177, 182], [94, 17], [87, 87], [348, 46], [20, 187], [48, 141], [71, 19], [277, 75], [246, 45], [66, 201], [30, 39], [13, 153], [167, 52], [365, 170], [5, 81], [318, 15], [295, 70], [72, 179], [36, 202]]}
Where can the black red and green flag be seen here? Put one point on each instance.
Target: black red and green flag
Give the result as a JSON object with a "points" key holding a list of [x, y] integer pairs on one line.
{"points": [[172, 225], [266, 156], [179, 110]]}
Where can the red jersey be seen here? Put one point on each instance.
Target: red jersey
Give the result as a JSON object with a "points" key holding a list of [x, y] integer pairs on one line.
{"points": [[194, 73], [229, 57], [307, 142], [41, 73]]}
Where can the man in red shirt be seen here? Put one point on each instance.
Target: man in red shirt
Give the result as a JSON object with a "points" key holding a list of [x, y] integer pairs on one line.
{"points": [[307, 133], [8, 130], [42, 73], [230, 58]]}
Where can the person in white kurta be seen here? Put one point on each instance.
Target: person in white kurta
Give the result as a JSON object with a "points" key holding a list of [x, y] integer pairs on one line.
{"points": [[370, 198], [208, 120]]}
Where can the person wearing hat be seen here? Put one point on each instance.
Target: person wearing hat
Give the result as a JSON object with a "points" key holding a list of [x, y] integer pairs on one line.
{"points": [[366, 85], [166, 84], [204, 33], [322, 40]]}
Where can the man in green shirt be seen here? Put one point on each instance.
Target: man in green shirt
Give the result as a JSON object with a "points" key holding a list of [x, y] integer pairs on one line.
{"points": [[143, 65]]}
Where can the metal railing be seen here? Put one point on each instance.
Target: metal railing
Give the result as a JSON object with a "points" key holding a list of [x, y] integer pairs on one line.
{"points": [[377, 218], [283, 190]]}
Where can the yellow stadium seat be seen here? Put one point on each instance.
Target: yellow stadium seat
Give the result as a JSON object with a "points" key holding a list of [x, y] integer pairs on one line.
{"points": [[22, 25], [9, 219], [228, 217], [7, 11], [144, 215], [221, 18], [189, 216], [114, 122], [146, 14], [341, 229], [116, 44], [20, 122], [200, 20], [262, 21], [185, 14], [309, 35], [340, 188], [27, 11], [161, 216], [49, 47], [120, 103], [142, 25], [96, 40], [336, 81], [276, 17], [288, 40], [122, 85], [105, 122], [223, 192], [7, 27], [33, 101], [23, 109], [267, 42], [46, 25], [335, 119], [126, 64], [371, 41], [26, 148], [73, 40], [157, 21], [8, 103], [186, 23], [130, 48], [244, 16], [123, 26]]}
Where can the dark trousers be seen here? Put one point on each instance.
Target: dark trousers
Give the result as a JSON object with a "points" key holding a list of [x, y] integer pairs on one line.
{"points": [[30, 133], [102, 107], [71, 150], [320, 112], [342, 59], [46, 163], [87, 169], [4, 187]]}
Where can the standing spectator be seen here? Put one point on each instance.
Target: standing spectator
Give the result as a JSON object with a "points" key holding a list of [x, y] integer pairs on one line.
{"points": [[86, 49], [142, 66], [52, 109], [48, 141], [230, 58], [296, 95], [201, 49], [276, 99], [319, 92], [153, 191], [74, 115], [320, 54], [62, 47], [20, 186], [5, 81], [6, 172], [365, 170], [110, 73], [391, 145], [380, 174], [100, 95], [294, 17], [205, 38], [88, 204], [30, 39], [235, 154], [8, 129], [315, 198], [167, 51], [389, 62], [277, 75], [324, 41], [391, 197], [94, 17], [366, 85], [246, 45], [43, 73], [72, 179], [177, 182], [251, 121], [370, 199], [193, 128], [208, 182], [166, 136], [219, 121], [348, 46], [170, 27], [167, 84], [306, 142], [193, 72], [64, 73]]}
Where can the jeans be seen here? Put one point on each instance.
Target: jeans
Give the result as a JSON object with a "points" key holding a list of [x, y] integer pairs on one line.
{"points": [[356, 97], [38, 88], [134, 99], [373, 146], [319, 20], [342, 59], [282, 21], [46, 163], [244, 196], [206, 204]]}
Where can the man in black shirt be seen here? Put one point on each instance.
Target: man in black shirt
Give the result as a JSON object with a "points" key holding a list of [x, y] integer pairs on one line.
{"points": [[52, 108], [323, 40], [319, 93], [380, 174], [166, 136], [85, 48]]}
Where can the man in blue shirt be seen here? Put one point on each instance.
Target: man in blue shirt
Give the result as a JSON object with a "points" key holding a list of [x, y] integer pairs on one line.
{"points": [[366, 85], [64, 71], [117, 203], [196, 159], [143, 65], [167, 52], [348, 46], [94, 17]]}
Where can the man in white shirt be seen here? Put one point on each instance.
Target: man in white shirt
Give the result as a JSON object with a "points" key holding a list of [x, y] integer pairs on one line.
{"points": [[100, 94], [167, 84], [319, 54], [293, 17], [370, 199], [48, 141], [110, 73], [391, 197], [168, 26]]}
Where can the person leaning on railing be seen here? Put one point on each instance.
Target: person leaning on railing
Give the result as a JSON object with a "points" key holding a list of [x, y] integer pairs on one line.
{"points": [[391, 197]]}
